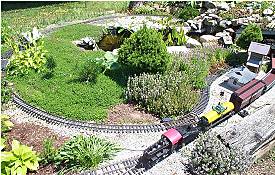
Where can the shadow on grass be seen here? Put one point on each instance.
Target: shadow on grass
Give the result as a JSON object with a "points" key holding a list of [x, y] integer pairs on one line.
{"points": [[121, 75], [6, 6]]}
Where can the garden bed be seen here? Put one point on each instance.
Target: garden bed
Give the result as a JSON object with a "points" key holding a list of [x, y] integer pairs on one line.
{"points": [[62, 94]]}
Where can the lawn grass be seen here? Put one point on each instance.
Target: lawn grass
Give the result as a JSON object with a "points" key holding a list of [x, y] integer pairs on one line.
{"points": [[40, 17], [61, 94], [26, 15]]}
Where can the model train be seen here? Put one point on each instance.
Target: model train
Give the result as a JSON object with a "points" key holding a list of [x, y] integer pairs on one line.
{"points": [[175, 138]]}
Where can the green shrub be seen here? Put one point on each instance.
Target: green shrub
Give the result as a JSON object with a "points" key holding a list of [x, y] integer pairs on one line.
{"points": [[168, 94], [197, 70], [82, 153], [188, 12], [5, 32], [18, 160], [211, 156], [89, 71], [5, 92], [49, 152], [251, 33], [145, 51], [27, 56]]}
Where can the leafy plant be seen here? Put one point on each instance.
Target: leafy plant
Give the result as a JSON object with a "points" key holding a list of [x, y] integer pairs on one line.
{"points": [[251, 33], [6, 124], [18, 160], [2, 143], [188, 12], [5, 32], [28, 54], [89, 71], [5, 92], [81, 153], [211, 156], [108, 62], [145, 51], [49, 152], [197, 70], [168, 94], [171, 35]]}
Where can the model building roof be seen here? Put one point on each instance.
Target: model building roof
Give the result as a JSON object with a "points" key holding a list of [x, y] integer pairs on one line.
{"points": [[259, 48]]}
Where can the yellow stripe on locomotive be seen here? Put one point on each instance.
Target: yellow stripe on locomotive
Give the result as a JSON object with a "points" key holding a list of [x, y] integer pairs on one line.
{"points": [[216, 113]]}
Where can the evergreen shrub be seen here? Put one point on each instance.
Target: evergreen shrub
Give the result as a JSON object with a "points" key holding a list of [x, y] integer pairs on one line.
{"points": [[251, 33], [145, 51]]}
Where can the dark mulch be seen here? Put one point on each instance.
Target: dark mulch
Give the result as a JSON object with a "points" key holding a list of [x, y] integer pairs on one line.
{"points": [[128, 113], [33, 135]]}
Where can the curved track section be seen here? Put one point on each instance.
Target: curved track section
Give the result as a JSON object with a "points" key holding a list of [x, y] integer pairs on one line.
{"points": [[126, 167], [56, 120]]}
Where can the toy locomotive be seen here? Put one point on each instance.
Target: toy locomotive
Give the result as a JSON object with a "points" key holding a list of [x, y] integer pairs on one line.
{"points": [[175, 138]]}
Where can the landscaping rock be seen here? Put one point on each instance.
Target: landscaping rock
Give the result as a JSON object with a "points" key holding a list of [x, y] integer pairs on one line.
{"points": [[192, 43], [208, 38], [208, 5], [268, 12], [87, 43], [177, 49], [135, 4], [224, 23], [223, 6]]}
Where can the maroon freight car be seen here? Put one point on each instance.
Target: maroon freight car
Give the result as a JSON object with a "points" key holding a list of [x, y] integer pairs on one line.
{"points": [[247, 94], [269, 80], [252, 90]]}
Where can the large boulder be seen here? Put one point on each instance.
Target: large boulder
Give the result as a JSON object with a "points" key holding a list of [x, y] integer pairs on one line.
{"points": [[177, 49], [135, 4], [192, 43], [208, 39], [208, 5], [267, 12], [222, 6]]}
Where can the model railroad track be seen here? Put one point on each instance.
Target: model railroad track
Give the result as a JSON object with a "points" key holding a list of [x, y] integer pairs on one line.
{"points": [[56, 120], [126, 167]]}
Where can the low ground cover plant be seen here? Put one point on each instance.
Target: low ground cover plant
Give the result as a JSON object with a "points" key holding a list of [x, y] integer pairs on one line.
{"points": [[83, 153], [145, 51], [61, 94], [212, 156], [168, 94]]}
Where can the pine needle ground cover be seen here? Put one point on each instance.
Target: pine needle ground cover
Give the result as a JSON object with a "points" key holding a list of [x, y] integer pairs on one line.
{"points": [[62, 94]]}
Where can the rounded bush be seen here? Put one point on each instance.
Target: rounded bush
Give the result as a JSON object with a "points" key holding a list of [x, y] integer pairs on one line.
{"points": [[251, 33], [188, 12], [145, 51], [212, 156]]}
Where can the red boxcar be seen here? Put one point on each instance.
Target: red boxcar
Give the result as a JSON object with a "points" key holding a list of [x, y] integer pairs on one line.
{"points": [[247, 94], [269, 80], [273, 63]]}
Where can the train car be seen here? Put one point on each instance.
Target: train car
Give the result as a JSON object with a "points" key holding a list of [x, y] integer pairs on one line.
{"points": [[171, 140], [216, 114], [269, 80], [247, 94]]}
